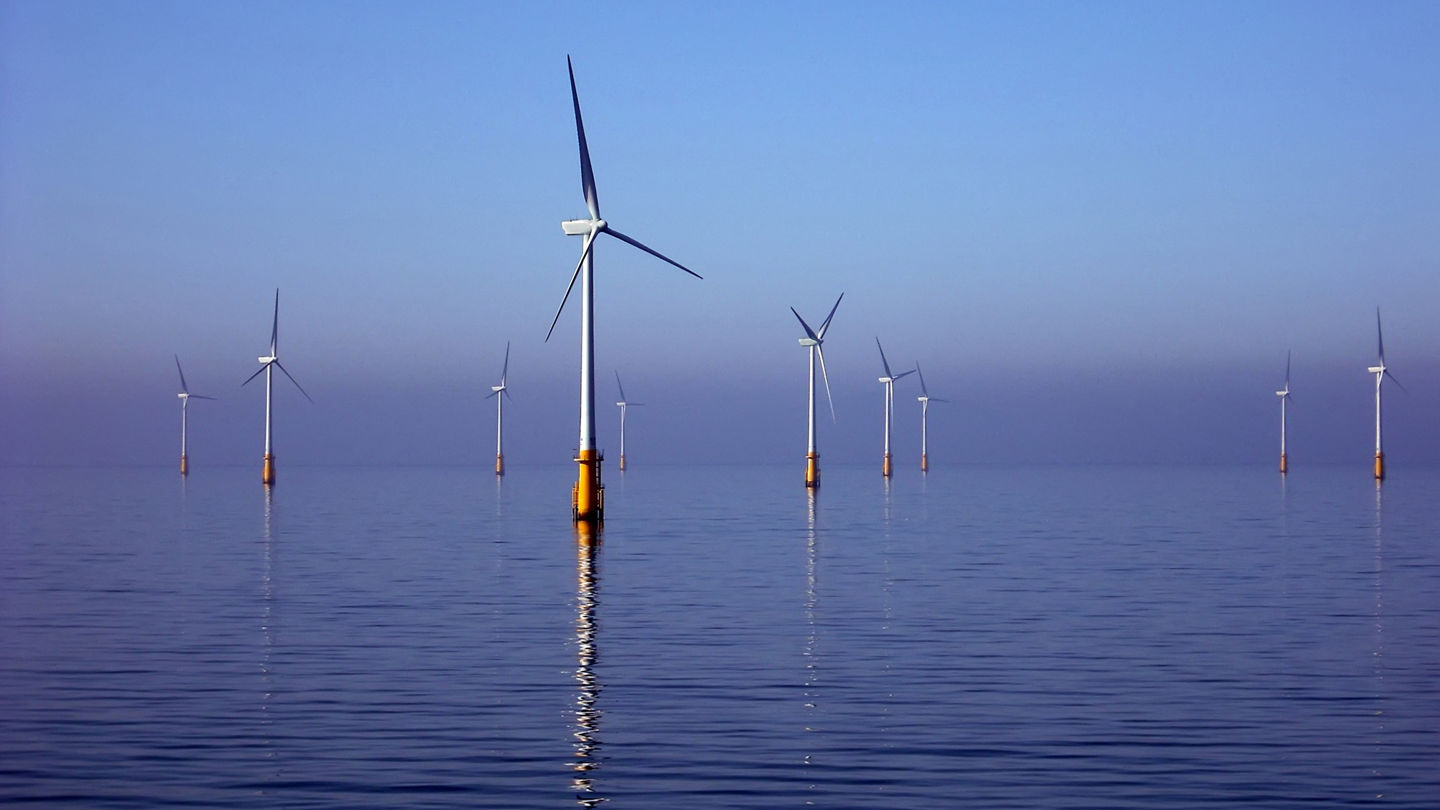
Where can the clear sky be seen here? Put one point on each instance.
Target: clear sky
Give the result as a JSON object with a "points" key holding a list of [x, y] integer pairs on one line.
{"points": [[1098, 226]]}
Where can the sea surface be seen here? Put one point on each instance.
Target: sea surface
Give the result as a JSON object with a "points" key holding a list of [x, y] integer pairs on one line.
{"points": [[1013, 637]]}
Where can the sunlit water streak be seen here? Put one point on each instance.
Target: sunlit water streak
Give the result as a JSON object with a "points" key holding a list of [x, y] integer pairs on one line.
{"points": [[1023, 637]]}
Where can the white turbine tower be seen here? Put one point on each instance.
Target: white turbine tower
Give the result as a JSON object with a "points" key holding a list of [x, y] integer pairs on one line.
{"points": [[1284, 395], [623, 403], [267, 474], [587, 499], [925, 399], [889, 382], [496, 391], [1380, 372], [185, 397], [813, 340]]}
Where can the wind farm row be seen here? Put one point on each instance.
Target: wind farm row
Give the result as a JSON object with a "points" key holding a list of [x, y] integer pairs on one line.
{"points": [[587, 493]]}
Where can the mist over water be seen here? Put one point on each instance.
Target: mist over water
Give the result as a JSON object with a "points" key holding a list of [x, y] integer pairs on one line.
{"points": [[1006, 636]]}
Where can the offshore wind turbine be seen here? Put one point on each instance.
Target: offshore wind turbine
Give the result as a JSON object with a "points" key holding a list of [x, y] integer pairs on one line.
{"points": [[925, 400], [496, 391], [623, 405], [267, 364], [1284, 395], [889, 382], [587, 497], [813, 340], [1380, 372], [185, 397]]}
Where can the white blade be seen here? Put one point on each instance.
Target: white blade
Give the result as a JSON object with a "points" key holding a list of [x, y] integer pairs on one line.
{"points": [[275, 325], [1396, 381], [256, 374], [184, 389], [589, 242], [505, 369], [826, 377], [903, 374], [810, 333], [923, 389], [826, 325], [1287, 370], [623, 238], [621, 387], [197, 396], [1379, 336], [883, 361], [587, 174], [292, 379]]}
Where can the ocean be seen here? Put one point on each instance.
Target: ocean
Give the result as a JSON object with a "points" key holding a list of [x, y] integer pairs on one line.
{"points": [[988, 637]]}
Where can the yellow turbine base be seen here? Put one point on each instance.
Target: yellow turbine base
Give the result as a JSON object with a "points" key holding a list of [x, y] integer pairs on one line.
{"points": [[267, 475], [184, 465], [499, 463], [812, 470], [885, 468], [587, 497], [622, 462], [1379, 466], [1284, 464], [924, 462]]}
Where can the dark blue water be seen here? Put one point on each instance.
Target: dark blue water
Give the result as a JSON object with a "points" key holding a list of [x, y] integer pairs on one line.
{"points": [[1022, 637]]}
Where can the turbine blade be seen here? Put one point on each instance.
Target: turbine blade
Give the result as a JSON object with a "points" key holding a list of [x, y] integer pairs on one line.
{"points": [[587, 174], [507, 394], [883, 361], [618, 385], [1396, 381], [197, 396], [633, 404], [923, 390], [589, 242], [826, 378], [275, 324], [903, 374], [937, 399], [1379, 336], [505, 369], [293, 380], [810, 333], [623, 238], [826, 324], [256, 374], [185, 389], [1287, 370], [493, 393]]}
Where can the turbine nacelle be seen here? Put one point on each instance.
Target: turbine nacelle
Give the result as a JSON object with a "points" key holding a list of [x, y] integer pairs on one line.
{"points": [[1377, 369], [886, 379], [805, 341], [267, 360], [582, 227]]}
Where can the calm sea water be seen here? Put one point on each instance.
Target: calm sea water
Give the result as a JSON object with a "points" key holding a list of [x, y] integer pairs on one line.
{"points": [[1023, 637]]}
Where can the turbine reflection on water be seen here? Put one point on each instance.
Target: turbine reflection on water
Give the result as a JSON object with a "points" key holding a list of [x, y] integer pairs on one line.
{"points": [[587, 712], [811, 692]]}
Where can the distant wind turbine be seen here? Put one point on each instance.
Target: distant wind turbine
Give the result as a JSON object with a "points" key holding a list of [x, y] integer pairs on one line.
{"points": [[267, 474], [889, 382], [496, 391], [185, 397], [587, 498], [623, 403], [1284, 395], [813, 340], [925, 400], [1380, 372]]}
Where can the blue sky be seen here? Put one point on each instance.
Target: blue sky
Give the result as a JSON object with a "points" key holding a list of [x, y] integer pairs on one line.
{"points": [[1098, 226]]}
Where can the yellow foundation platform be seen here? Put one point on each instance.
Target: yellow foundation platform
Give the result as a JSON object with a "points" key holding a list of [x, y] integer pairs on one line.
{"points": [[924, 462], [1284, 464], [499, 463], [267, 475], [885, 468], [1379, 466], [184, 465], [587, 498], [622, 462], [812, 470]]}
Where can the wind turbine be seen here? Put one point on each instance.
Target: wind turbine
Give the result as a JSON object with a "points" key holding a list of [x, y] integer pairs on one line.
{"points": [[272, 360], [813, 340], [1380, 372], [889, 382], [495, 391], [925, 399], [587, 498], [185, 397], [1284, 397], [623, 405]]}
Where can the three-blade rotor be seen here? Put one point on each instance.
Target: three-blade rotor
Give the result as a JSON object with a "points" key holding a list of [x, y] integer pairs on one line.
{"points": [[595, 226], [623, 401], [925, 392], [274, 358], [185, 389], [816, 339], [889, 377], [504, 374], [1285, 393]]}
